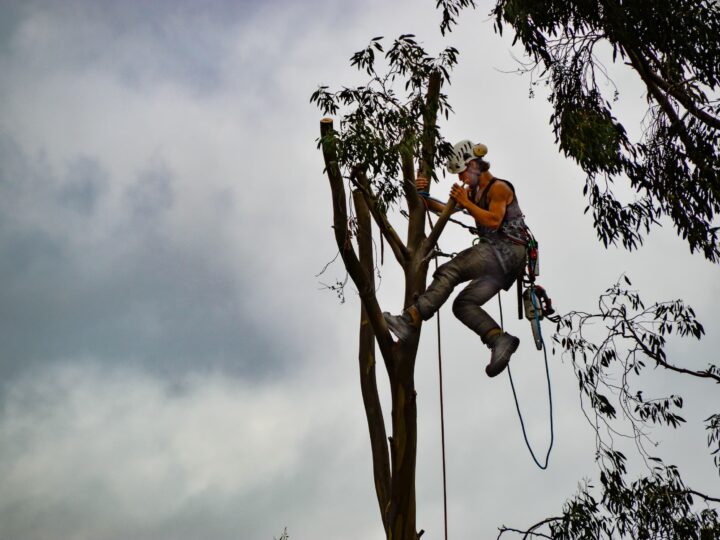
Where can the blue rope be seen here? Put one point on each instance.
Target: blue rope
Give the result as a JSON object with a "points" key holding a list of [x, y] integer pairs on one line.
{"points": [[547, 374], [425, 194]]}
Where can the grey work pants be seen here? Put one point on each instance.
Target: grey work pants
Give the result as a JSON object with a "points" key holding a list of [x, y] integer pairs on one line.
{"points": [[479, 265]]}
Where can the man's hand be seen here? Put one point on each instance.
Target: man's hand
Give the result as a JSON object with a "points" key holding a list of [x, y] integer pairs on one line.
{"points": [[421, 182], [460, 195]]}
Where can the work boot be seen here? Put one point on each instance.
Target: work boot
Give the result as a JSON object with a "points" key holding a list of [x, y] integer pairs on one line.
{"points": [[503, 346], [405, 324]]}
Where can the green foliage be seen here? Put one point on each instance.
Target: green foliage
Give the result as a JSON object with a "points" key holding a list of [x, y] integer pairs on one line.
{"points": [[383, 119], [658, 506], [673, 46], [673, 168], [713, 439], [609, 360], [632, 335], [450, 11]]}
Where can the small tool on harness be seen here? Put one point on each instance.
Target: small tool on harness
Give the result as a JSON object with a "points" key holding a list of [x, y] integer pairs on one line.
{"points": [[545, 302], [537, 306], [533, 300]]}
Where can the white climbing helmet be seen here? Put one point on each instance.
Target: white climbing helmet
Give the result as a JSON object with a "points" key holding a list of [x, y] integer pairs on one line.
{"points": [[463, 153]]}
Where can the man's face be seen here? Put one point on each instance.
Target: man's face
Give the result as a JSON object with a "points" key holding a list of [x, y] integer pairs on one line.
{"points": [[470, 176]]}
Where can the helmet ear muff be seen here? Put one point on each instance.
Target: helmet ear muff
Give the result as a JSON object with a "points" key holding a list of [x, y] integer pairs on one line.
{"points": [[480, 150]]}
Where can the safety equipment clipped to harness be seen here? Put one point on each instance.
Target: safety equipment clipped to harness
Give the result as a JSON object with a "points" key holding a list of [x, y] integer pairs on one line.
{"points": [[533, 301], [537, 305]]}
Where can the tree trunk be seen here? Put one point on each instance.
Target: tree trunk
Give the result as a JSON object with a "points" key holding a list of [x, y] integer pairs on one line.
{"points": [[394, 475], [404, 445]]}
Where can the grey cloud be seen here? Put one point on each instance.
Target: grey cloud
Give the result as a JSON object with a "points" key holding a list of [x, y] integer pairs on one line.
{"points": [[85, 183], [138, 294], [19, 177], [142, 42], [11, 15], [28, 184], [152, 192], [111, 456], [146, 44], [178, 282]]}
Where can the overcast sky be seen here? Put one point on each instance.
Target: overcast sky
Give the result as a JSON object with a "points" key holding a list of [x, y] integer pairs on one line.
{"points": [[170, 367]]}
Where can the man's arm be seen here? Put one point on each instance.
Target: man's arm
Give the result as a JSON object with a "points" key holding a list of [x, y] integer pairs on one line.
{"points": [[499, 196]]}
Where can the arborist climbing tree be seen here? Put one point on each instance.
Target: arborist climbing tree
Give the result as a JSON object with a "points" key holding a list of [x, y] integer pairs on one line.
{"points": [[387, 130], [493, 263], [671, 163], [384, 149], [388, 123], [499, 256]]}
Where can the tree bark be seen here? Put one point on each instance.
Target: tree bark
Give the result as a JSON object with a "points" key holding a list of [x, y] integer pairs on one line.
{"points": [[344, 243], [399, 362], [403, 454], [416, 226], [386, 229], [438, 228], [366, 358]]}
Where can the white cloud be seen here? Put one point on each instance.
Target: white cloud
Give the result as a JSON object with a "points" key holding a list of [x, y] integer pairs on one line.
{"points": [[121, 449], [207, 116]]}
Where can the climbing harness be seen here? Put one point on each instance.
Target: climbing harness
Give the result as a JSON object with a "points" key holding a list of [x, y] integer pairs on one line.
{"points": [[534, 301]]}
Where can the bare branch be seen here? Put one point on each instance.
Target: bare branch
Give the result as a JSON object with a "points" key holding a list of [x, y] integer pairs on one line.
{"points": [[416, 221], [366, 359], [683, 98], [438, 228], [663, 363], [703, 496], [416, 227], [675, 121], [386, 229], [347, 252], [432, 103], [531, 530]]}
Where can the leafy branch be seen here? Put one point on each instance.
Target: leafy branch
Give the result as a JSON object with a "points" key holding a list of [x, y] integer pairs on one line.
{"points": [[674, 166], [384, 117]]}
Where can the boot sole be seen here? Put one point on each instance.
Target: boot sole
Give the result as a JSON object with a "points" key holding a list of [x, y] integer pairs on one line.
{"points": [[401, 335], [493, 370]]}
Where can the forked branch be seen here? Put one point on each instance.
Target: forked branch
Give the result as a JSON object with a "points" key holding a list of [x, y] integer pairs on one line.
{"points": [[347, 252], [378, 214], [631, 333], [438, 228]]}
